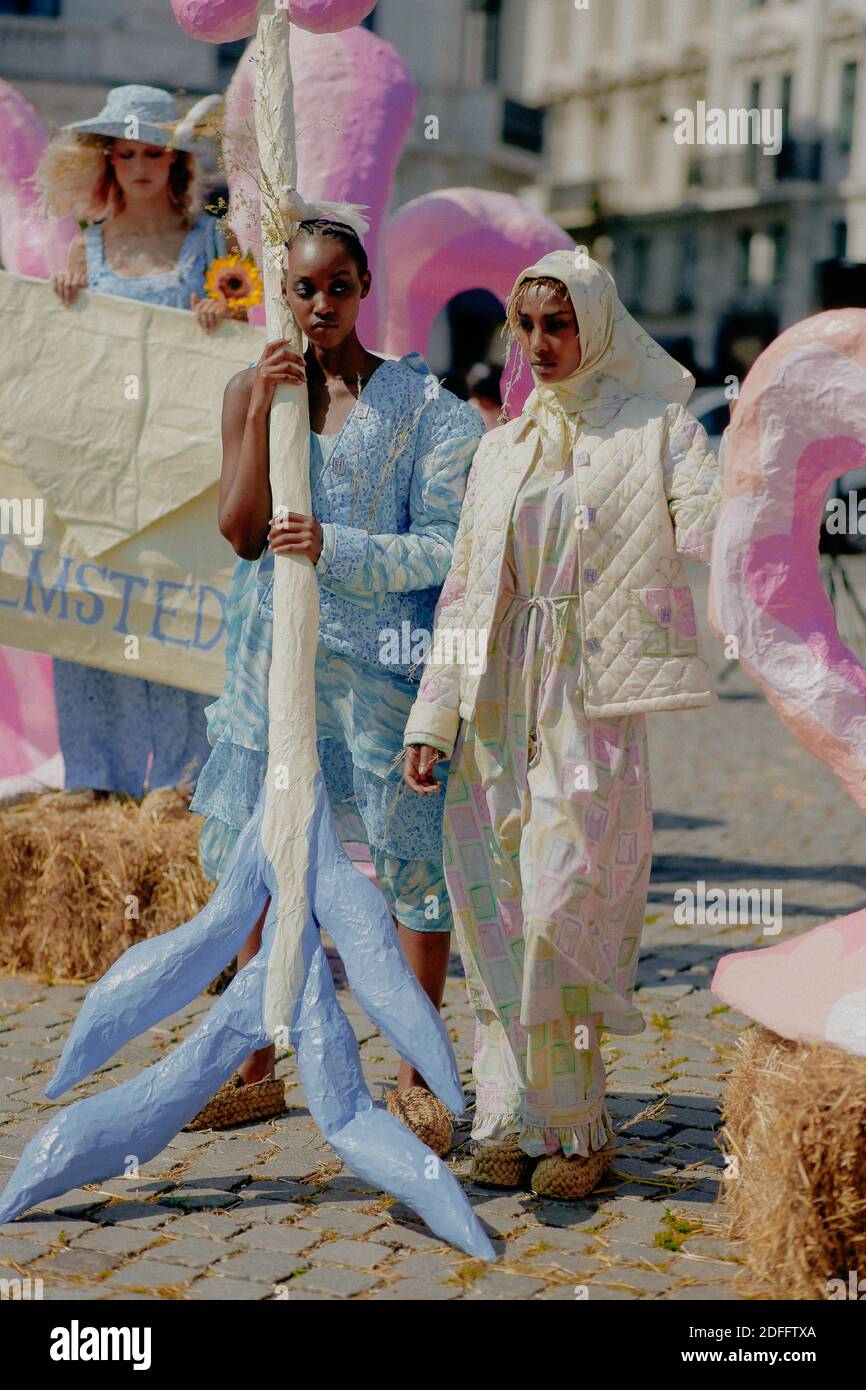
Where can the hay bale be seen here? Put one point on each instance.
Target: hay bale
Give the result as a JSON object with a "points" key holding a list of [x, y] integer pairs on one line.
{"points": [[795, 1120], [81, 880]]}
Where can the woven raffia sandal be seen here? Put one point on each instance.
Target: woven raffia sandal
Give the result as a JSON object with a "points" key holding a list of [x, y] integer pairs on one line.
{"points": [[424, 1114], [502, 1165], [235, 1103], [570, 1178]]}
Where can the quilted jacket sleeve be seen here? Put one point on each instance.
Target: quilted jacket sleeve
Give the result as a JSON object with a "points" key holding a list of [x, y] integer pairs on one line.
{"points": [[446, 440], [693, 483], [435, 717]]}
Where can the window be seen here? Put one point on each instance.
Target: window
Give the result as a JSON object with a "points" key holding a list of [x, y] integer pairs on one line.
{"points": [[779, 238], [752, 151], [785, 89], [490, 13], [762, 256], [647, 140], [788, 159], [744, 240], [523, 126], [641, 252], [847, 105], [38, 9], [687, 263], [840, 240]]}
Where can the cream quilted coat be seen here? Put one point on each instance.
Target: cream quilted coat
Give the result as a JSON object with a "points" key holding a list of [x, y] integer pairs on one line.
{"points": [[647, 489]]}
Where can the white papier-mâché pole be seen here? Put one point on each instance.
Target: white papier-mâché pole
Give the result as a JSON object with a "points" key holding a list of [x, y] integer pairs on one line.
{"points": [[292, 758]]}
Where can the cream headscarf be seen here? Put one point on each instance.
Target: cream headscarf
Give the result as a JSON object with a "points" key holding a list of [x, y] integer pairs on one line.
{"points": [[618, 359]]}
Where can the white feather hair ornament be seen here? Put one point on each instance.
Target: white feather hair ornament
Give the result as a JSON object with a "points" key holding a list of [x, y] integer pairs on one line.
{"points": [[294, 208]]}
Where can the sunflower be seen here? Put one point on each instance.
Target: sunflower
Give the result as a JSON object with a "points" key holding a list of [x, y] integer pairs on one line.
{"points": [[236, 280]]}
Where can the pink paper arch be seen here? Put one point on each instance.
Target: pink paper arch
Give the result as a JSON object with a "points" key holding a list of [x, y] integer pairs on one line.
{"points": [[458, 239], [799, 423]]}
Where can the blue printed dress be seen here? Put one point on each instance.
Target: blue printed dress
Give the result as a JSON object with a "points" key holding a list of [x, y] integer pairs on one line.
{"points": [[117, 732], [401, 460]]}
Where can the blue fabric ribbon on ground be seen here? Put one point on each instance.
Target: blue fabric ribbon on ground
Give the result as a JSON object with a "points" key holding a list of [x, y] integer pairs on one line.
{"points": [[91, 1140]]}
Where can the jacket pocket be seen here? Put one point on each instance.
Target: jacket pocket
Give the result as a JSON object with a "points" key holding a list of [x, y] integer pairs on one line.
{"points": [[662, 623]]}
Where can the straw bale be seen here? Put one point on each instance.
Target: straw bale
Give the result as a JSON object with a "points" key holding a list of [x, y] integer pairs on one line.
{"points": [[81, 880], [795, 1122]]}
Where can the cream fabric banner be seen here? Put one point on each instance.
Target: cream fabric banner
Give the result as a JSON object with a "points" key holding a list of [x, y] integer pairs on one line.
{"points": [[110, 551]]}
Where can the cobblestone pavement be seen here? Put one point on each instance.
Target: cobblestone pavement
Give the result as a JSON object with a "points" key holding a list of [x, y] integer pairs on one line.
{"points": [[265, 1211]]}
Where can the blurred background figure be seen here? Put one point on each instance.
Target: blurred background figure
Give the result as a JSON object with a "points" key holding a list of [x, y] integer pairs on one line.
{"points": [[146, 238], [483, 392]]}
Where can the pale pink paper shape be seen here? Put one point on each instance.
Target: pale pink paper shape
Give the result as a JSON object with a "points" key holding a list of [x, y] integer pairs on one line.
{"points": [[800, 422], [811, 989]]}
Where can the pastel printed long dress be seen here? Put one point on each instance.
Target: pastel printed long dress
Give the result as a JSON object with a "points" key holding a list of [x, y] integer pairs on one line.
{"points": [[548, 835], [120, 732]]}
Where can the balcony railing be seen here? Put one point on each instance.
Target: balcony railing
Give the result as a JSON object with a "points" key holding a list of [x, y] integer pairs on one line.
{"points": [[748, 167], [566, 196], [800, 159]]}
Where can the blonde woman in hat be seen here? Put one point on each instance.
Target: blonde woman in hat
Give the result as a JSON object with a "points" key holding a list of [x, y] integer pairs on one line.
{"points": [[131, 173], [567, 558]]}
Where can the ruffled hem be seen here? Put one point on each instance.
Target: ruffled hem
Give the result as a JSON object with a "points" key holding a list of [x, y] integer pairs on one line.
{"points": [[541, 1140], [229, 784]]}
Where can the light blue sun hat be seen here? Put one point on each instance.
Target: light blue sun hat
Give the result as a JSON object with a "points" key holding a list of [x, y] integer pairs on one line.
{"points": [[149, 114]]}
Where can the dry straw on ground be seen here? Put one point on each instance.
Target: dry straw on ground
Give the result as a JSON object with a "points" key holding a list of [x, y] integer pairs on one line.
{"points": [[795, 1120], [80, 881]]}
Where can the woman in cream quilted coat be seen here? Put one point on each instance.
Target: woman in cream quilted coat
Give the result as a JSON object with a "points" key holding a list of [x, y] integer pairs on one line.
{"points": [[567, 565]]}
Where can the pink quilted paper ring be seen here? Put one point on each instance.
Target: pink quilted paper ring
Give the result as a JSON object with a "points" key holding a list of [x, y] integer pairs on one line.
{"points": [[799, 423]]}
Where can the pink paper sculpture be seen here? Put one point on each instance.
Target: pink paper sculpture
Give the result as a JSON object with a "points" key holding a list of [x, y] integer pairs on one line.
{"points": [[441, 244], [28, 245], [224, 21], [799, 423], [29, 746], [348, 143], [812, 989]]}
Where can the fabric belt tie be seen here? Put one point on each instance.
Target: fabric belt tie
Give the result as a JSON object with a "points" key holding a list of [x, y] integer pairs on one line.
{"points": [[551, 634]]}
